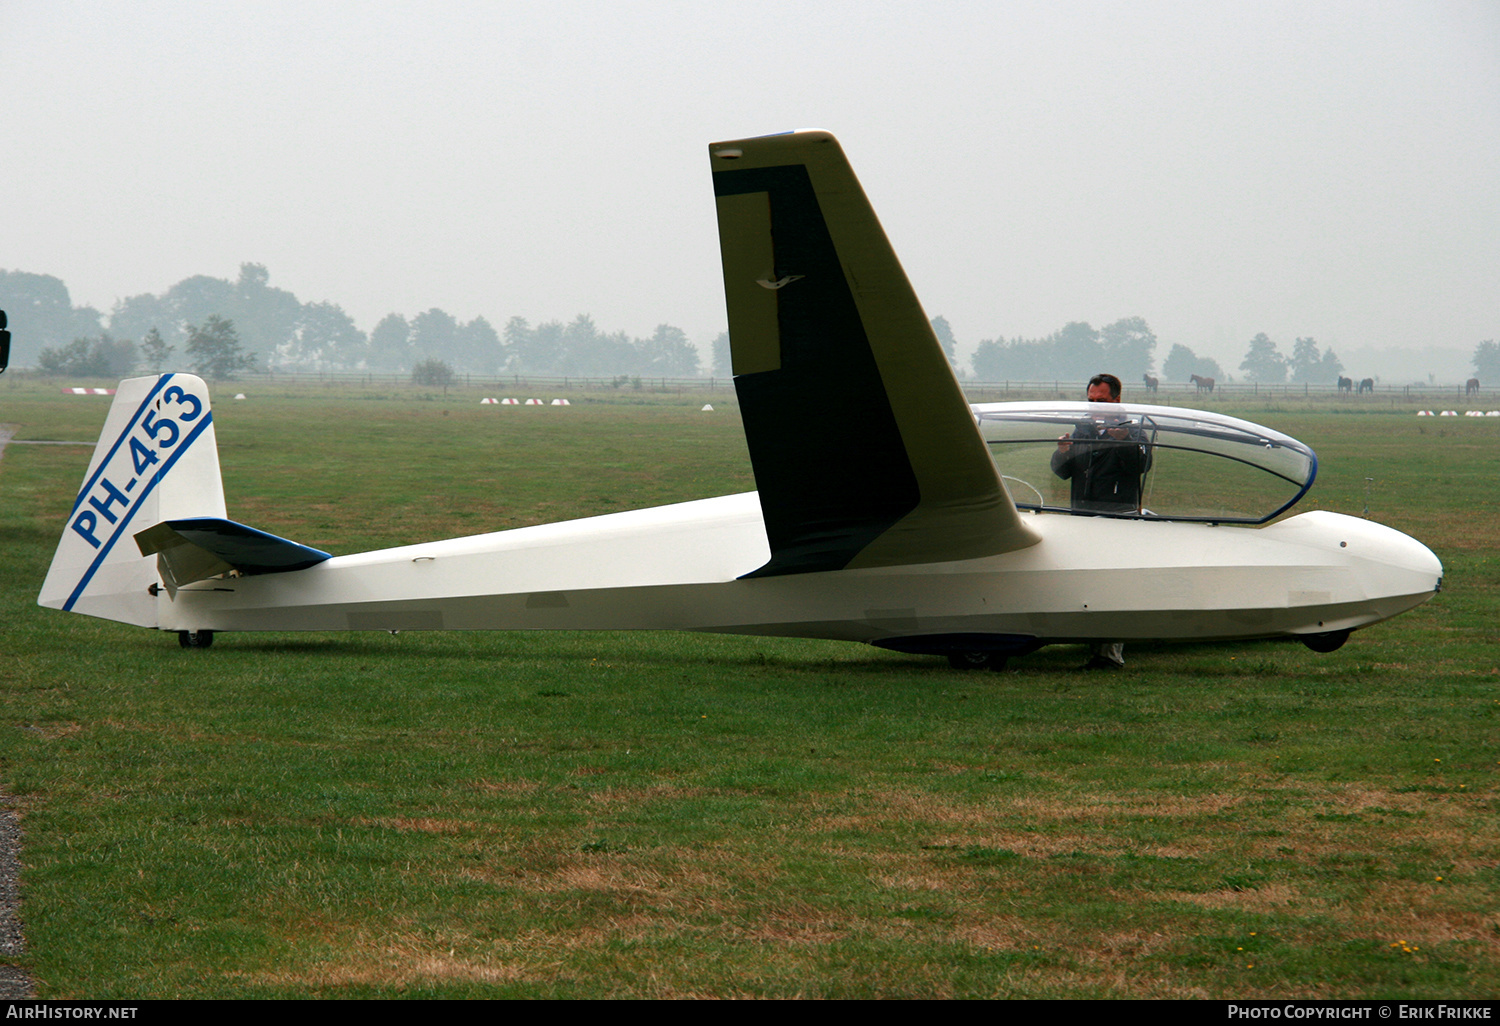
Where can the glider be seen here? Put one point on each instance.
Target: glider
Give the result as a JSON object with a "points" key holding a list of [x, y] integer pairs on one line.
{"points": [[883, 514]]}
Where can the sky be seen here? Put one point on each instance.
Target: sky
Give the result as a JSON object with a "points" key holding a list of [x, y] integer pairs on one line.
{"points": [[1324, 169]]}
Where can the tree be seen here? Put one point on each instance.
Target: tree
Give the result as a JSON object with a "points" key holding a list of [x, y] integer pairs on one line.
{"points": [[194, 300], [944, 333], [1307, 365], [617, 351], [989, 360], [581, 342], [1487, 361], [586, 350], [215, 350], [1128, 345], [542, 349], [1020, 359], [520, 354], [323, 335], [432, 372], [138, 316], [1306, 361], [1073, 353], [1182, 363], [434, 334], [390, 343], [669, 354], [266, 317], [723, 361], [101, 357], [477, 347], [326, 334], [1079, 353], [42, 314], [1262, 361], [155, 351]]}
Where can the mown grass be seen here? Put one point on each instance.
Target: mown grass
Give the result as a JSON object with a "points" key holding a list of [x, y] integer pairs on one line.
{"points": [[657, 815]]}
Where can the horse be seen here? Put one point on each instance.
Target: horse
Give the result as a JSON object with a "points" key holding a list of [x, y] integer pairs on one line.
{"points": [[1151, 382], [1204, 384], [1367, 385], [1470, 387], [1346, 384]]}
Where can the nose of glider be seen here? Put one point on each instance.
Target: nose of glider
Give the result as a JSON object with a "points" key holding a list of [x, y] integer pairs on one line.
{"points": [[1388, 546], [1388, 562]]}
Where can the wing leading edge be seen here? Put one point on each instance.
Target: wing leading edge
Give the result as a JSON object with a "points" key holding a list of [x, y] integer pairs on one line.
{"points": [[864, 449]]}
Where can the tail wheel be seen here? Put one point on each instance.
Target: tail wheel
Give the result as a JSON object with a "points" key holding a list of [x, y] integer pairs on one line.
{"points": [[195, 639], [977, 660]]}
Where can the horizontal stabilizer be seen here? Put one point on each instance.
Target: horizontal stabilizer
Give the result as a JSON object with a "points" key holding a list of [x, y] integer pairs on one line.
{"points": [[204, 547]]}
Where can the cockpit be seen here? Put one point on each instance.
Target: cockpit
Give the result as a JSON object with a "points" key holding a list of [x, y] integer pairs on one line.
{"points": [[1144, 462]]}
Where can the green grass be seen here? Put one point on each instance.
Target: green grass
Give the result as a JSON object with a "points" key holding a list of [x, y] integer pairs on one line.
{"points": [[656, 815]]}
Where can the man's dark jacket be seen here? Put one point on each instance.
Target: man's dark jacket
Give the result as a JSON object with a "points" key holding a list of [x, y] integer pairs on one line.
{"points": [[1105, 472]]}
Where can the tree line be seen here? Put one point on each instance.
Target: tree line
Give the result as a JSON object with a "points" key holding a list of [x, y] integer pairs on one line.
{"points": [[1127, 348], [1074, 352], [222, 326]]}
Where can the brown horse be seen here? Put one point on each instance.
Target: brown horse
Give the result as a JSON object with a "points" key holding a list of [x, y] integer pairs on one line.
{"points": [[1346, 384], [1471, 386], [1367, 385], [1150, 382], [1204, 384]]}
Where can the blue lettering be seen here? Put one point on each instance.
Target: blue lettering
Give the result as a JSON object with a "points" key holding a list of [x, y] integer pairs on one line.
{"points": [[115, 495], [85, 524]]}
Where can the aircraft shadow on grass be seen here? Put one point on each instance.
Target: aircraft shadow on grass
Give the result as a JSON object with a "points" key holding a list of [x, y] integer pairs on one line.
{"points": [[888, 510]]}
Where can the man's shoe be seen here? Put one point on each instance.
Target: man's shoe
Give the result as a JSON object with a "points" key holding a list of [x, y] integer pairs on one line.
{"points": [[1101, 663]]}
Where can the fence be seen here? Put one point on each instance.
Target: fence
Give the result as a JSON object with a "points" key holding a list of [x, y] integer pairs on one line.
{"points": [[977, 391], [1168, 393]]}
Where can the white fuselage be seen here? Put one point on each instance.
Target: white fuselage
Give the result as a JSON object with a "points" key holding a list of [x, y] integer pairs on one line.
{"points": [[679, 567]]}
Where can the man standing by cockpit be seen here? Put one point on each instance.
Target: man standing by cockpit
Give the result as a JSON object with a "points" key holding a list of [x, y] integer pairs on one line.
{"points": [[1104, 459]]}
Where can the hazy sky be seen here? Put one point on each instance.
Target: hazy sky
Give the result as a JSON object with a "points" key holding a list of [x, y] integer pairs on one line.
{"points": [[1324, 169]]}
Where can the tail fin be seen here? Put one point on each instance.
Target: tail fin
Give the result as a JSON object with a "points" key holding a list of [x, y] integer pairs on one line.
{"points": [[156, 461], [864, 449]]}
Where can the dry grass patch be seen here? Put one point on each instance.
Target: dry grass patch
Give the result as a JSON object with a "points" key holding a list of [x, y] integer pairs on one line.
{"points": [[55, 731], [1268, 899], [507, 786], [1004, 933], [402, 965], [1421, 913], [1103, 808], [797, 926], [681, 885], [612, 797], [425, 825]]}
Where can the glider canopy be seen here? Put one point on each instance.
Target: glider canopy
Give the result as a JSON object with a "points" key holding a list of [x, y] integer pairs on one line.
{"points": [[1200, 466]]}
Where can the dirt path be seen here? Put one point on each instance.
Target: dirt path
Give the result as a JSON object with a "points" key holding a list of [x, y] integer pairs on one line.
{"points": [[14, 982]]}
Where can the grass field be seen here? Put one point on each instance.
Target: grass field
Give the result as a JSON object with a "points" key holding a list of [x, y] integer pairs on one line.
{"points": [[662, 815]]}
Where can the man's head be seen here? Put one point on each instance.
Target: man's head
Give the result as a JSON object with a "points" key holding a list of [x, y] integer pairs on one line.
{"points": [[1104, 388]]}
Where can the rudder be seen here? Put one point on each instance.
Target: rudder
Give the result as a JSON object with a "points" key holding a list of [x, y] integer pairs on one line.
{"points": [[864, 449], [156, 460]]}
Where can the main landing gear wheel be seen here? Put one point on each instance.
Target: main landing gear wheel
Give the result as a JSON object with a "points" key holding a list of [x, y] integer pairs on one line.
{"points": [[1330, 642], [977, 660], [195, 639]]}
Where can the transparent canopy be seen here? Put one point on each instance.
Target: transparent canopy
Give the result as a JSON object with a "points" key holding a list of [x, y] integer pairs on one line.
{"points": [[1160, 462]]}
